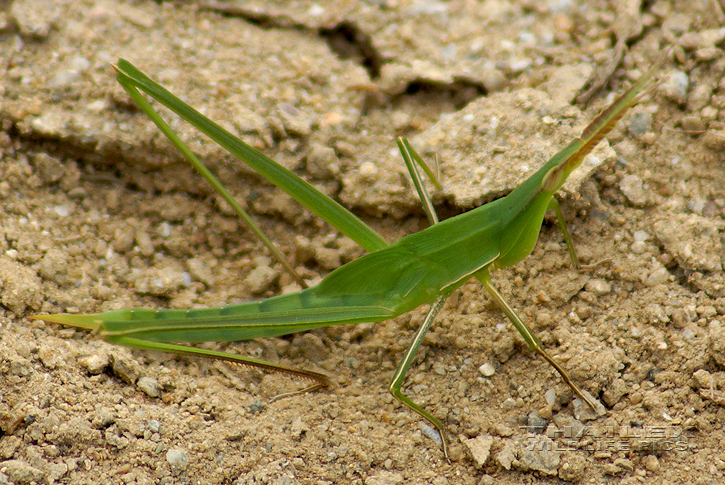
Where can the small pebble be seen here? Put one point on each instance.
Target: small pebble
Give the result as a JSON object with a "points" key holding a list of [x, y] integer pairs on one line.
{"points": [[295, 122], [624, 464], [583, 412], [77, 193], [20, 285], [541, 455], [641, 235], [574, 468], [298, 428], [598, 287], [322, 161], [564, 23], [714, 139], [113, 199], [150, 386], [569, 426], [161, 282], [506, 456], [519, 65], [546, 412], [703, 378], [536, 423], [493, 81], [164, 229], [80, 64], [431, 432], [95, 364], [200, 271], [480, 449], [651, 463], [706, 311], [61, 210], [656, 314], [633, 189], [64, 78], [708, 54], [50, 169], [368, 170], [124, 238], [145, 245], [638, 247], [103, 417], [124, 367], [316, 11], [675, 86], [153, 425], [640, 123], [54, 266], [310, 346], [487, 370], [50, 357], [614, 393], [261, 278], [702, 39], [716, 348], [178, 458], [328, 258], [697, 205], [657, 277], [699, 97], [694, 240], [692, 124]]}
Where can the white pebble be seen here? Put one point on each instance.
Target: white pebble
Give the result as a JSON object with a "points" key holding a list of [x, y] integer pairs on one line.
{"points": [[149, 385], [641, 236], [164, 229], [368, 170], [657, 277], [675, 86], [178, 458], [95, 364], [316, 11], [633, 189], [79, 64], [487, 370], [598, 287], [61, 210], [430, 432], [638, 247], [64, 78]]}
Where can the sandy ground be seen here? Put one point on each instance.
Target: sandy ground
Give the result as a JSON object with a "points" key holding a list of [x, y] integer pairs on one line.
{"points": [[98, 212]]}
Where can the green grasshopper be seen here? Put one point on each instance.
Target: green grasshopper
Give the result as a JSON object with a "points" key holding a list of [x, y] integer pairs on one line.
{"points": [[425, 267]]}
